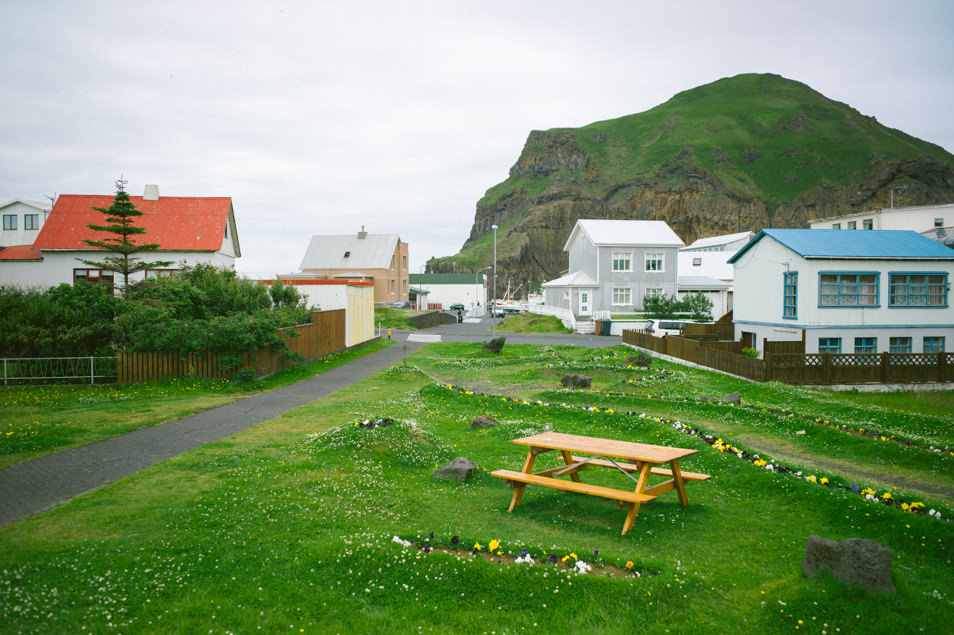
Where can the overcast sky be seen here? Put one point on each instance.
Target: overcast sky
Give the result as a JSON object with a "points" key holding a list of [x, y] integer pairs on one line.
{"points": [[319, 117]]}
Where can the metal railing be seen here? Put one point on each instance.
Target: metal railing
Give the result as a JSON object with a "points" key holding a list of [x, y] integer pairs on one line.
{"points": [[19, 371]]}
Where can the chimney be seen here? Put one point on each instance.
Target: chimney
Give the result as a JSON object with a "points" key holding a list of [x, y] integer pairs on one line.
{"points": [[151, 193], [362, 234]]}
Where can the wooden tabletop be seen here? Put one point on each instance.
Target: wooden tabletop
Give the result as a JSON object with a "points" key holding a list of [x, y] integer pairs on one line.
{"points": [[606, 447]]}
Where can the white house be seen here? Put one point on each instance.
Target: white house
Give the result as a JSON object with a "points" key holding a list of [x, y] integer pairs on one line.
{"points": [[355, 297], [730, 243], [709, 273], [22, 220], [189, 230], [845, 292], [917, 218], [446, 289], [613, 264]]}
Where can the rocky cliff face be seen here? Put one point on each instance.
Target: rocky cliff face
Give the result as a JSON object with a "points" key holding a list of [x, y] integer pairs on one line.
{"points": [[567, 174]]}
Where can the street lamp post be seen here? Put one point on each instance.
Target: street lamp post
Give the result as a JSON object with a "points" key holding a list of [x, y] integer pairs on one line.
{"points": [[493, 305]]}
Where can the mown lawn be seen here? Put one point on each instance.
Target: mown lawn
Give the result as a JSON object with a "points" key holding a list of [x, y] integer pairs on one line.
{"points": [[328, 520], [39, 420]]}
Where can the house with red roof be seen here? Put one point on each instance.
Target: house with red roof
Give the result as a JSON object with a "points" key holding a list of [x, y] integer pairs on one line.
{"points": [[189, 230]]}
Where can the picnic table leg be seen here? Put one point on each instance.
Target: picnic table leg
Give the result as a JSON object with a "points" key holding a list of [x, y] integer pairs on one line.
{"points": [[680, 484], [519, 487], [640, 488], [569, 461]]}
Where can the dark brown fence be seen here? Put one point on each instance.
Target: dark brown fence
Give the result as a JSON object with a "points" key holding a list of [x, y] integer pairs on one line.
{"points": [[323, 336], [716, 332], [787, 362], [876, 368]]}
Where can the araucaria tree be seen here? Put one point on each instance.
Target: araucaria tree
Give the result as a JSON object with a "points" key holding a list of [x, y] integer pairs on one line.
{"points": [[120, 223]]}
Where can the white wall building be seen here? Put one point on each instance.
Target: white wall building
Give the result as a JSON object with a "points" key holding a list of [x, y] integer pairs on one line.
{"points": [[356, 298], [189, 230], [919, 219], [845, 292], [22, 220], [447, 289]]}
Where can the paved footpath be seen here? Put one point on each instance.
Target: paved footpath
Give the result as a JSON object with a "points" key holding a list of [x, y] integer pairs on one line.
{"points": [[34, 486]]}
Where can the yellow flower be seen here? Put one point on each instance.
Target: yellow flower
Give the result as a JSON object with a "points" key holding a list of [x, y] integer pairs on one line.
{"points": [[493, 545], [564, 558], [477, 546], [824, 480], [573, 555], [886, 496]]}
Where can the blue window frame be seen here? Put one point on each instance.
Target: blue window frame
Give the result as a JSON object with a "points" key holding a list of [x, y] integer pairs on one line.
{"points": [[899, 345], [829, 344], [933, 344], [866, 345], [917, 290], [838, 289], [790, 303]]}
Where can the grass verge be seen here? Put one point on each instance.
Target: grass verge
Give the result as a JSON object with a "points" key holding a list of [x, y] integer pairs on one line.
{"points": [[327, 519]]}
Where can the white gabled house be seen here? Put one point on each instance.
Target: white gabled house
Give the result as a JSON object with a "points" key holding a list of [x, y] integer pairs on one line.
{"points": [[189, 230], [22, 220], [845, 292], [613, 264]]}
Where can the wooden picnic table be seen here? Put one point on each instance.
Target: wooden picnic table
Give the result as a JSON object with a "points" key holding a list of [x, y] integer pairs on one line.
{"points": [[638, 461]]}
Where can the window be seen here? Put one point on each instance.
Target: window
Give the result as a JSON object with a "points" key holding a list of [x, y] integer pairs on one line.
{"points": [[697, 262], [917, 289], [654, 261], [836, 225], [866, 345], [848, 289], [852, 224], [404, 286], [622, 261], [404, 262], [867, 224], [829, 344], [391, 285], [153, 274], [790, 305], [94, 276], [939, 222], [900, 345], [9, 222], [654, 291], [622, 295], [31, 221], [933, 344]]}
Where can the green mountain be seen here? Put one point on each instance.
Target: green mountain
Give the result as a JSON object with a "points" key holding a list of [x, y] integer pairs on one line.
{"points": [[742, 153]]}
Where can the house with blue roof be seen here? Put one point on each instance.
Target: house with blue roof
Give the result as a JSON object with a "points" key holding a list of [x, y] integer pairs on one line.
{"points": [[840, 291]]}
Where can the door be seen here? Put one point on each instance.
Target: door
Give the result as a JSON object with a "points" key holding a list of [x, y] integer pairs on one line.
{"points": [[585, 303]]}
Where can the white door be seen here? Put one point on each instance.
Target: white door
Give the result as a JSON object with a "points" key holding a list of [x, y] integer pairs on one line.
{"points": [[584, 302]]}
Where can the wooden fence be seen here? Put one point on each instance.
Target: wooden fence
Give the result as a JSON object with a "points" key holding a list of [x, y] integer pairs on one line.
{"points": [[842, 368], [323, 336], [797, 367]]}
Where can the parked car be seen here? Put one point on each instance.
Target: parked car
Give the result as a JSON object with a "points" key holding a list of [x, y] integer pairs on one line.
{"points": [[457, 307], [662, 328], [400, 305]]}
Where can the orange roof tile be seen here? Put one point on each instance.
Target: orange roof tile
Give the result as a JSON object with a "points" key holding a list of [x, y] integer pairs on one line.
{"points": [[20, 252], [176, 223]]}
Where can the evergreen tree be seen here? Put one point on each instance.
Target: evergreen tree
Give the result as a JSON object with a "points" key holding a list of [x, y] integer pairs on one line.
{"points": [[120, 219]]}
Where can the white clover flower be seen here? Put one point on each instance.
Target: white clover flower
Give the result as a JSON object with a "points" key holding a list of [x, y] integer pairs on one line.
{"points": [[581, 567]]}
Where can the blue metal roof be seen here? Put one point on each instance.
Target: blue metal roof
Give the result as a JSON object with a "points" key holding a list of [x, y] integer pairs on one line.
{"points": [[854, 243]]}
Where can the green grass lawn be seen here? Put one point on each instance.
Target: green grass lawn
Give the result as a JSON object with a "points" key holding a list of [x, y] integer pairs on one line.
{"points": [[531, 323], [327, 520], [38, 420]]}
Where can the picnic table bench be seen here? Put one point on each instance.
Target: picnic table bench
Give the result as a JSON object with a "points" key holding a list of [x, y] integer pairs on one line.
{"points": [[640, 459]]}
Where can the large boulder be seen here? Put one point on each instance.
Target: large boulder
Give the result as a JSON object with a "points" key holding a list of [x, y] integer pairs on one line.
{"points": [[482, 422], [495, 345], [576, 381], [855, 562], [457, 470]]}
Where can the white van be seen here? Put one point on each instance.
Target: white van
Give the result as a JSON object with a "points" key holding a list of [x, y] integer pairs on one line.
{"points": [[662, 328]]}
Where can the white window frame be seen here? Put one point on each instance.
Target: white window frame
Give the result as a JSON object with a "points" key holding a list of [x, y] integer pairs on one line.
{"points": [[622, 261], [622, 296], [653, 257]]}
